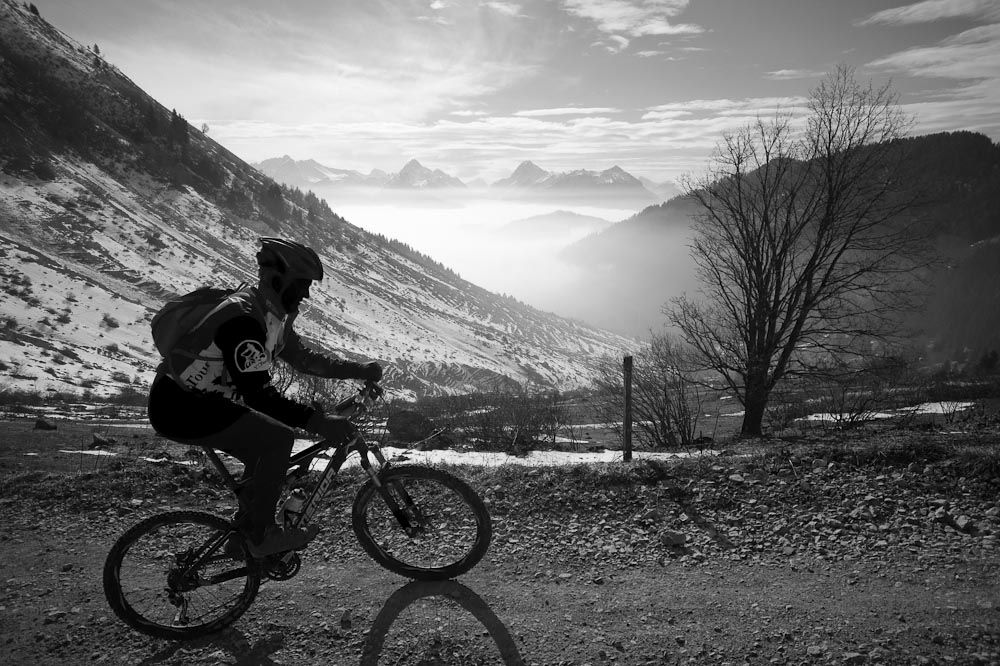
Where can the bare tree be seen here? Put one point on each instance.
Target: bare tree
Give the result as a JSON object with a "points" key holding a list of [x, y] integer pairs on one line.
{"points": [[803, 241]]}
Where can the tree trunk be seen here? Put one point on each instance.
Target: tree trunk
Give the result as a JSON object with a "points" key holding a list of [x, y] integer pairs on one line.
{"points": [[754, 406]]}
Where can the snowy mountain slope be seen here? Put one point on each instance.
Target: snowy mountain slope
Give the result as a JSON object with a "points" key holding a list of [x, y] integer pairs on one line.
{"points": [[99, 225]]}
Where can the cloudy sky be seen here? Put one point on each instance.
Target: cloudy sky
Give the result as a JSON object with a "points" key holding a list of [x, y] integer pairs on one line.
{"points": [[475, 87]]}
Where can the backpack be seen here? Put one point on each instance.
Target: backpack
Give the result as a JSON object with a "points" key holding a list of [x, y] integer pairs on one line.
{"points": [[174, 326]]}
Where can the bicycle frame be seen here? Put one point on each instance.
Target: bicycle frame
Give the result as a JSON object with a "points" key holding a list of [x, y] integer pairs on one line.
{"points": [[298, 464], [329, 473], [357, 404]]}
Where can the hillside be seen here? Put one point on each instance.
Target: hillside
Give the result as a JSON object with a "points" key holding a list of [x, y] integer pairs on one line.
{"points": [[637, 264], [641, 262], [110, 202]]}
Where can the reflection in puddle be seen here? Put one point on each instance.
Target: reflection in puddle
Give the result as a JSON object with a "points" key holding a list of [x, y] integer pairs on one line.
{"points": [[438, 623]]}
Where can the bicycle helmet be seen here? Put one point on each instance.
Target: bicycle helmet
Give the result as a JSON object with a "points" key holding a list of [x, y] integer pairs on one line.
{"points": [[290, 260]]}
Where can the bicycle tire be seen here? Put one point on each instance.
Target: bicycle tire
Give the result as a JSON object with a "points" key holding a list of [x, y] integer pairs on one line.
{"points": [[145, 586], [451, 523]]}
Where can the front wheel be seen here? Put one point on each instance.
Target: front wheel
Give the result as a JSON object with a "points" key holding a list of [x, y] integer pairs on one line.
{"points": [[429, 526], [172, 575]]}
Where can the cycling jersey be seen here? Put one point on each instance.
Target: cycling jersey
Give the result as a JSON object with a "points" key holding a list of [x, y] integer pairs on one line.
{"points": [[232, 372]]}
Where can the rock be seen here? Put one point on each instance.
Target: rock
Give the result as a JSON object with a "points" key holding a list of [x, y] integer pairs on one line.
{"points": [[814, 651], [855, 658], [42, 424], [100, 441], [217, 657], [965, 524], [673, 539], [652, 514]]}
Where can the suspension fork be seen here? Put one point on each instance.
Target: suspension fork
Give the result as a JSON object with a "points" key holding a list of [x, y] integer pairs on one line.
{"points": [[391, 491]]}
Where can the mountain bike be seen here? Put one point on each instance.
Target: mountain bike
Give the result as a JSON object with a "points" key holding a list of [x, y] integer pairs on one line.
{"points": [[187, 573]]}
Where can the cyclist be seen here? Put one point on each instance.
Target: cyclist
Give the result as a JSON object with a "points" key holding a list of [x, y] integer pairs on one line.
{"points": [[224, 398]]}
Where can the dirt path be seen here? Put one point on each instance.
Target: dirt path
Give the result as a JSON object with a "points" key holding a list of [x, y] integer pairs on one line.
{"points": [[719, 610], [785, 560]]}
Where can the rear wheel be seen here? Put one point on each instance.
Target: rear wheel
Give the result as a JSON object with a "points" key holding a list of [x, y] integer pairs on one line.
{"points": [[445, 528], [170, 575]]}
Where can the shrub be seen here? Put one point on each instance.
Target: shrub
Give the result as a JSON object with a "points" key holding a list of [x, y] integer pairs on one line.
{"points": [[667, 402], [513, 421], [43, 170]]}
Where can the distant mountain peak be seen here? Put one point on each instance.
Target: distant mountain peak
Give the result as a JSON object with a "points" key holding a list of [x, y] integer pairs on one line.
{"points": [[415, 175], [526, 174], [528, 179]]}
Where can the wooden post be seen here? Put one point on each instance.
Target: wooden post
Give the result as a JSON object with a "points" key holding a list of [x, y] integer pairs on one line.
{"points": [[627, 424]]}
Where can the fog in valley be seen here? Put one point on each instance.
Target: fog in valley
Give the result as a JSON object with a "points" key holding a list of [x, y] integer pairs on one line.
{"points": [[593, 260]]}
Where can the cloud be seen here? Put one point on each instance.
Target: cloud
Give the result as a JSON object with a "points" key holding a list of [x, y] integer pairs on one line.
{"points": [[328, 66], [972, 54], [633, 18], [975, 104], [750, 106], [971, 59], [508, 8], [573, 110], [929, 11], [664, 142], [618, 44], [793, 74]]}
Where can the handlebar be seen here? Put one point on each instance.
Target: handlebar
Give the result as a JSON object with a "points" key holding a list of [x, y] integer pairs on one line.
{"points": [[363, 400]]}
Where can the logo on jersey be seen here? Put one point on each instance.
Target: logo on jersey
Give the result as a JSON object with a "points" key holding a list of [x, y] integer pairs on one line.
{"points": [[251, 357]]}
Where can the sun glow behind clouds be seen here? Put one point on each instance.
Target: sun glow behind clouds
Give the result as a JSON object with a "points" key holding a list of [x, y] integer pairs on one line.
{"points": [[477, 87]]}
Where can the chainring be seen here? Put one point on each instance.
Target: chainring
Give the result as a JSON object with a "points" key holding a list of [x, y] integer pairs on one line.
{"points": [[283, 567]]}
